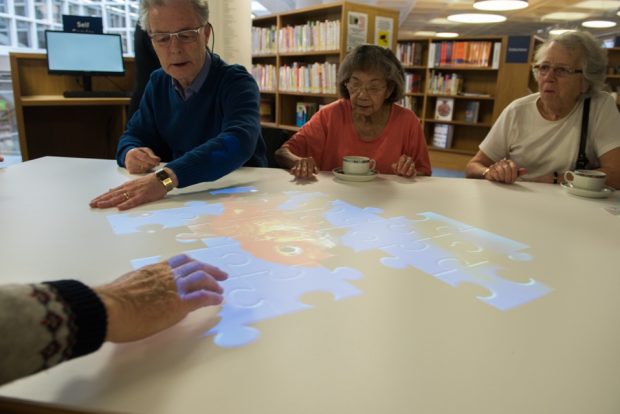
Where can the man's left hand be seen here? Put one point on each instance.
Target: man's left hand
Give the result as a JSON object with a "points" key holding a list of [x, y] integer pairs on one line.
{"points": [[131, 194]]}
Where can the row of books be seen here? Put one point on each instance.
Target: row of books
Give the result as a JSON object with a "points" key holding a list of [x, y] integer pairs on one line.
{"points": [[413, 82], [464, 53], [312, 78], [445, 84], [409, 53], [263, 40], [315, 35], [410, 103], [265, 76]]}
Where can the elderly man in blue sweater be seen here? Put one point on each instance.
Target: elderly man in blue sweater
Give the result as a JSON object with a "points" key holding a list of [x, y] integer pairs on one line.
{"points": [[198, 113]]}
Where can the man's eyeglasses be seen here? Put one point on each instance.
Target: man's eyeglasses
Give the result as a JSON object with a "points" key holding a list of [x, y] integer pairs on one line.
{"points": [[184, 36], [558, 71], [355, 88]]}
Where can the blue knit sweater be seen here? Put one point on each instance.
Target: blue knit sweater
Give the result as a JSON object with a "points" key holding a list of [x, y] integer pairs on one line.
{"points": [[206, 137]]}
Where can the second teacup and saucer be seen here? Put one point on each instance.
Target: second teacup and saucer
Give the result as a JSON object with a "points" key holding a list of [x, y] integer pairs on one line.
{"points": [[356, 168], [586, 183]]}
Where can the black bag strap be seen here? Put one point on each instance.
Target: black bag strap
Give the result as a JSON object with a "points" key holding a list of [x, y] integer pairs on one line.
{"points": [[582, 160]]}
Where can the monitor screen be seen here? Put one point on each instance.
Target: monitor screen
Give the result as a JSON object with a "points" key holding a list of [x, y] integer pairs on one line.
{"points": [[84, 53]]}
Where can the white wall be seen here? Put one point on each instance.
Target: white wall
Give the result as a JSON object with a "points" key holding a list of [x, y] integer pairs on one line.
{"points": [[232, 24]]}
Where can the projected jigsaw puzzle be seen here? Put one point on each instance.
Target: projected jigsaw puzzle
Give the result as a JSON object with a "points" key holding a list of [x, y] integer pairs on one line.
{"points": [[273, 247]]}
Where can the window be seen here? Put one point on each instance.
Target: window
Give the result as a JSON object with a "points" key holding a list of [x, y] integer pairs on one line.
{"points": [[23, 22]]}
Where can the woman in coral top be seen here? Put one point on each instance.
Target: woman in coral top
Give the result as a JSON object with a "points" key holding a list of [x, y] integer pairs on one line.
{"points": [[366, 122]]}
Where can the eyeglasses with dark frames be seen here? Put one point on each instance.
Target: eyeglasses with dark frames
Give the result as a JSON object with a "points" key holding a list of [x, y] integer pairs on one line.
{"points": [[558, 71]]}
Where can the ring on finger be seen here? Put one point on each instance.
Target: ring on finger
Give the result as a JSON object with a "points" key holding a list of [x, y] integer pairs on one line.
{"points": [[126, 195]]}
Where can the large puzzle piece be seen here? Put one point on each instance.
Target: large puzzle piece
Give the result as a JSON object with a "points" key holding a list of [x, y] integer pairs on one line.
{"points": [[127, 223], [449, 250], [257, 290]]}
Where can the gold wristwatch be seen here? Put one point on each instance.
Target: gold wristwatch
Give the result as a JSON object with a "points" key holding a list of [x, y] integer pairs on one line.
{"points": [[163, 176]]}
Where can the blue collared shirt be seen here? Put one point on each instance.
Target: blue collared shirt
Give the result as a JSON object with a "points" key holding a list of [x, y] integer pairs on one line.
{"points": [[199, 80]]}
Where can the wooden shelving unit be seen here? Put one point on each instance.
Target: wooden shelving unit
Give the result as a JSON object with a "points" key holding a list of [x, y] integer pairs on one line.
{"points": [[613, 71], [283, 103], [50, 124], [494, 89]]}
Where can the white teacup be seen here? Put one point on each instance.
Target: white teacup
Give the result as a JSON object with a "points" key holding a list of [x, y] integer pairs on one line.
{"points": [[356, 165], [586, 179]]}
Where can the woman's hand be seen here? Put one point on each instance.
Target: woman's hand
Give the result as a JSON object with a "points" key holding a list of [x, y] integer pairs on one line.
{"points": [[131, 194], [153, 298], [404, 167], [304, 168], [140, 160], [503, 171]]}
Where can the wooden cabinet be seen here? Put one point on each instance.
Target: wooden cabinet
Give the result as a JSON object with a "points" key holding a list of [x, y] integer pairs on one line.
{"points": [[483, 81], [315, 39], [49, 124]]}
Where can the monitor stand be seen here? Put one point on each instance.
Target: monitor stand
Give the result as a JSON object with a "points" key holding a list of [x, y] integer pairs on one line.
{"points": [[89, 93]]}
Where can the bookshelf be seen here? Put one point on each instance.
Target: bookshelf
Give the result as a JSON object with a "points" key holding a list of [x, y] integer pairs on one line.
{"points": [[315, 39], [475, 75], [613, 71]]}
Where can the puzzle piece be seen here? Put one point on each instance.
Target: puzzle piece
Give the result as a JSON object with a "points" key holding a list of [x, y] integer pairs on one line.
{"points": [[234, 190], [257, 290], [447, 249], [127, 223]]}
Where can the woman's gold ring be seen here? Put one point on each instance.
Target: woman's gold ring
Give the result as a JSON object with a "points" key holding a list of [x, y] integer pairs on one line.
{"points": [[126, 195]]}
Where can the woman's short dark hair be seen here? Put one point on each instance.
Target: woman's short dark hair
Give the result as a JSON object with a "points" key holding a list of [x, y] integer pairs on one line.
{"points": [[371, 58]]}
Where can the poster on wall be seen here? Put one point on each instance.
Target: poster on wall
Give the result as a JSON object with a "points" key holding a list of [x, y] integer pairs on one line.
{"points": [[384, 29], [357, 29], [232, 27]]}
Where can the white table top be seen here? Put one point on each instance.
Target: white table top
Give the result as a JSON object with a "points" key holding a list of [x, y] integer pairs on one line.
{"points": [[391, 328]]}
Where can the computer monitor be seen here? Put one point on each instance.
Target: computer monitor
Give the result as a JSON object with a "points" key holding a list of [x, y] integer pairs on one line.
{"points": [[85, 54]]}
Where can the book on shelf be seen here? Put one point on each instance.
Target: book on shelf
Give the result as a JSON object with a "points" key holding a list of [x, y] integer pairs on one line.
{"points": [[497, 52], [409, 53], [444, 109], [265, 110], [304, 111], [442, 135], [471, 111], [413, 82]]}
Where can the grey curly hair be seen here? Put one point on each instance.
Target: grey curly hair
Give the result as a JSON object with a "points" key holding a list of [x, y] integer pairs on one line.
{"points": [[593, 56]]}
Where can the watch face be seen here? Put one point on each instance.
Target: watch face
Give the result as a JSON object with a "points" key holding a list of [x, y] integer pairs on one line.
{"points": [[162, 175]]}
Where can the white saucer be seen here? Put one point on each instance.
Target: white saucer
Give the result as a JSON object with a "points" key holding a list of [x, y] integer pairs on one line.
{"points": [[604, 193], [372, 174]]}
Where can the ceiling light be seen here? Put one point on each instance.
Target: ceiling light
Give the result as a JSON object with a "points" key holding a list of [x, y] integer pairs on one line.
{"points": [[598, 4], [476, 18], [447, 34], [557, 32], [440, 21], [565, 16], [424, 33], [500, 5], [598, 24]]}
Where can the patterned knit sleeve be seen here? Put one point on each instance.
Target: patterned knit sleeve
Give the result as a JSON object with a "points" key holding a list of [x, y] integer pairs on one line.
{"points": [[45, 324]]}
